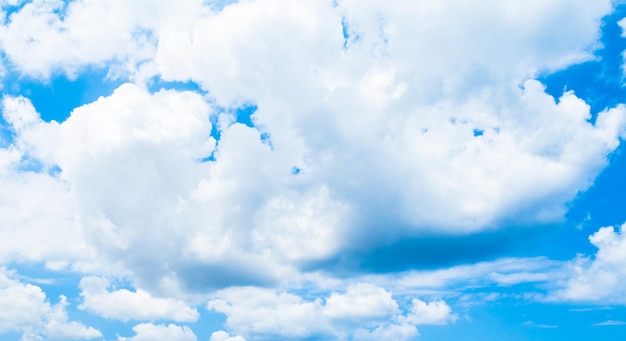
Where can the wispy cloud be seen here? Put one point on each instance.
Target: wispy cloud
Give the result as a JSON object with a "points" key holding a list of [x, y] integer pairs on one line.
{"points": [[539, 325], [609, 323]]}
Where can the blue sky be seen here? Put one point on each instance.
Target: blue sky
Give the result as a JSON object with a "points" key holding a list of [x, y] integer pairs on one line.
{"points": [[312, 170]]}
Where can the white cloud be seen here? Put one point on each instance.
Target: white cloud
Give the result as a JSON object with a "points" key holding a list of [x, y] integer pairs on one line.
{"points": [[224, 336], [126, 305], [609, 323], [255, 311], [26, 309], [382, 132], [358, 112], [436, 312], [622, 24], [160, 332], [51, 234], [540, 325], [364, 311], [599, 279], [433, 127], [501, 272], [45, 36], [391, 332], [361, 301]]}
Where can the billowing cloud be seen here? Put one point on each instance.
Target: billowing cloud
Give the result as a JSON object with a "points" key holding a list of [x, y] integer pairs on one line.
{"points": [[160, 332], [26, 309], [347, 149], [320, 140]]}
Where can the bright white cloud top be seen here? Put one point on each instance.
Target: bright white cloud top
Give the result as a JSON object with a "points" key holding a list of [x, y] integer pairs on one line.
{"points": [[372, 122]]}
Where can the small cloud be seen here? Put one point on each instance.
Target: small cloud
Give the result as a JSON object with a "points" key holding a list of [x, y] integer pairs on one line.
{"points": [[579, 310], [622, 24], [539, 325], [609, 323]]}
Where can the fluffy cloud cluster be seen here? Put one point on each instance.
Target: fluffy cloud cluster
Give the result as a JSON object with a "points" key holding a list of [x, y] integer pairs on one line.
{"points": [[375, 121], [160, 332], [25, 309], [363, 312], [600, 278], [127, 305], [378, 155]]}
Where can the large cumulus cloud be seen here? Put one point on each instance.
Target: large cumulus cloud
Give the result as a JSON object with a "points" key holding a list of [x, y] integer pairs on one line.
{"points": [[374, 122]]}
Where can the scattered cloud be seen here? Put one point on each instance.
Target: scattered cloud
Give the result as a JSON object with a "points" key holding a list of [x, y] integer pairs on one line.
{"points": [[160, 332], [395, 151], [609, 323], [224, 336], [363, 311], [25, 308], [598, 279], [126, 305], [539, 325]]}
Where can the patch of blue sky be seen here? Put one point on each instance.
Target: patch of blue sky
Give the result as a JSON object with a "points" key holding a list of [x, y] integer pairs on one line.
{"points": [[11, 335], [295, 170], [53, 283], [110, 328], [208, 323], [55, 98], [242, 114], [345, 32], [349, 36], [509, 318], [9, 8], [218, 5], [602, 204], [156, 84], [6, 135]]}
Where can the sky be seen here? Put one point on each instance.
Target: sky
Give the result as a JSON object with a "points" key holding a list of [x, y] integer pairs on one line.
{"points": [[312, 170]]}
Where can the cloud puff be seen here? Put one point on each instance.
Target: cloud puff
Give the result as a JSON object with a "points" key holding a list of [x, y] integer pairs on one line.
{"points": [[599, 279], [363, 311], [224, 336], [160, 332], [436, 312], [126, 305], [26, 309], [361, 302]]}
